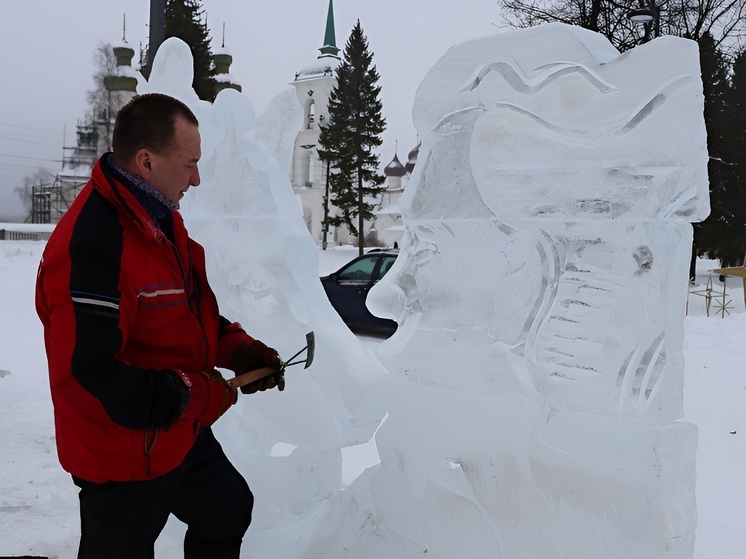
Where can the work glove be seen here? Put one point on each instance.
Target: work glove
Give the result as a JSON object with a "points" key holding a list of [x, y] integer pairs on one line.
{"points": [[255, 355], [216, 393], [267, 383]]}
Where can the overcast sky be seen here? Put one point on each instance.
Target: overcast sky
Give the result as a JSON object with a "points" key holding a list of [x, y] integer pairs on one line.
{"points": [[46, 49]]}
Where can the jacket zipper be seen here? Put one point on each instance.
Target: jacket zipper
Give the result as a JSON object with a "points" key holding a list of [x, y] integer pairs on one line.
{"points": [[188, 287], [148, 448]]}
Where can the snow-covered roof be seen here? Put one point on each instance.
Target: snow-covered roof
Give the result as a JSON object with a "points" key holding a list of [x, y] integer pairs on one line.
{"points": [[125, 72], [393, 209], [322, 66], [222, 50], [225, 78], [123, 45]]}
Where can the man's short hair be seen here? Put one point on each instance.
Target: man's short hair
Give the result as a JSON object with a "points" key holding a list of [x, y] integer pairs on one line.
{"points": [[148, 121]]}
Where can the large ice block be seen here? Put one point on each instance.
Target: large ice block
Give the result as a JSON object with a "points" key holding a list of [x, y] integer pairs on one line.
{"points": [[263, 266], [536, 376], [535, 381]]}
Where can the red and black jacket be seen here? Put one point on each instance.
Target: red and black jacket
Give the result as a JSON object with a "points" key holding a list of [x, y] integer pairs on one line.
{"points": [[128, 317]]}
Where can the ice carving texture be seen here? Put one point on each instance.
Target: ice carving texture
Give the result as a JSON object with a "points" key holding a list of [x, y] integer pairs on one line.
{"points": [[263, 267], [536, 377], [534, 383]]}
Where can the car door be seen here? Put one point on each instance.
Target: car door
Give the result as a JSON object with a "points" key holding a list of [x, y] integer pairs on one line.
{"points": [[349, 291]]}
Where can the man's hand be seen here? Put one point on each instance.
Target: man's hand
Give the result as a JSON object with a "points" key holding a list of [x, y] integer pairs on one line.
{"points": [[266, 383], [253, 356]]}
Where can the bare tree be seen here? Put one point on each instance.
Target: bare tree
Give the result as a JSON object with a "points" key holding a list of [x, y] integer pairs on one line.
{"points": [[42, 177], [101, 110], [724, 20]]}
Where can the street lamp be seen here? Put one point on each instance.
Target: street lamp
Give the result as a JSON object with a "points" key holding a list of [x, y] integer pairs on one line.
{"points": [[325, 225], [646, 14], [641, 15]]}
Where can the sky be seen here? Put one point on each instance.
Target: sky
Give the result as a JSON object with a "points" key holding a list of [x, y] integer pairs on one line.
{"points": [[46, 52]]}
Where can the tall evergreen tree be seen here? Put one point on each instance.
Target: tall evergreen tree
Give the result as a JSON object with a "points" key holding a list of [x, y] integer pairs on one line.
{"points": [[722, 235], [184, 19], [738, 115], [353, 132]]}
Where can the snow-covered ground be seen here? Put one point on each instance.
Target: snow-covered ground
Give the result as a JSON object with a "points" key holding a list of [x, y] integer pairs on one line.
{"points": [[38, 502]]}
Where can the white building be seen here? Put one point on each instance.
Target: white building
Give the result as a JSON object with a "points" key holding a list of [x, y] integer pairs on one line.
{"points": [[313, 85], [308, 174], [388, 225]]}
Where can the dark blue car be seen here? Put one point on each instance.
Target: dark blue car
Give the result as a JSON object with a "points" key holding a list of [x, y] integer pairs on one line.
{"points": [[348, 287]]}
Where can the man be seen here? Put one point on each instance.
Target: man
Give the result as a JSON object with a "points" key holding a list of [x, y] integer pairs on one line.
{"points": [[133, 336]]}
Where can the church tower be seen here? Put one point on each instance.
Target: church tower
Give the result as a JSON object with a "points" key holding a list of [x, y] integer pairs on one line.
{"points": [[222, 60], [313, 85], [121, 85]]}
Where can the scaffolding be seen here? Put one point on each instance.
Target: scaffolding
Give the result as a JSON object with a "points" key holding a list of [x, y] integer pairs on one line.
{"points": [[50, 201]]}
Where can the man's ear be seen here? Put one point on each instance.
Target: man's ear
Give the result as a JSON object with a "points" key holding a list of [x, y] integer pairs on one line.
{"points": [[143, 163]]}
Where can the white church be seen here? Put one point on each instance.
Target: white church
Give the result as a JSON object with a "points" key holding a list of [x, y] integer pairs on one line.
{"points": [[313, 85]]}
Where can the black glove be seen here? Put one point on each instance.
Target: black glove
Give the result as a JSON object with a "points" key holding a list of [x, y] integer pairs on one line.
{"points": [[267, 383], [255, 355]]}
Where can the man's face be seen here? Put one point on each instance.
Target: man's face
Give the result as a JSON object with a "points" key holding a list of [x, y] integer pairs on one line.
{"points": [[175, 170]]}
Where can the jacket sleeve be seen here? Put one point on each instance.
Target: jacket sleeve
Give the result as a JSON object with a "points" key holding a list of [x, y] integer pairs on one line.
{"points": [[230, 335], [134, 398]]}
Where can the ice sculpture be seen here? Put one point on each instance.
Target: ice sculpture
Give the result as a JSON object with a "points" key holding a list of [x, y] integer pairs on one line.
{"points": [[536, 376], [264, 269], [534, 383]]}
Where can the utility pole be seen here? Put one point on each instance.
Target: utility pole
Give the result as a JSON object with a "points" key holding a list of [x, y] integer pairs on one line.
{"points": [[157, 31]]}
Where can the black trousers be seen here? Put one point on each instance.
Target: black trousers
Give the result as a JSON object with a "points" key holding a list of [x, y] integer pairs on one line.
{"points": [[123, 519]]}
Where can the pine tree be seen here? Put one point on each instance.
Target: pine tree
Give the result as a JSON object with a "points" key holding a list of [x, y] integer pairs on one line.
{"points": [[737, 108], [353, 132], [184, 19], [722, 235]]}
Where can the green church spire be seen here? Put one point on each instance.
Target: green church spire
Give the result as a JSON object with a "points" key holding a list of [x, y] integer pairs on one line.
{"points": [[330, 41]]}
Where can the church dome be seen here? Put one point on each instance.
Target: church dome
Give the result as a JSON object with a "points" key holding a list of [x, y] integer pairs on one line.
{"points": [[395, 168], [412, 158]]}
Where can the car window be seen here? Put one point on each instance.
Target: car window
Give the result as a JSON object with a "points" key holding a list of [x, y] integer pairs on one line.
{"points": [[360, 270], [388, 261]]}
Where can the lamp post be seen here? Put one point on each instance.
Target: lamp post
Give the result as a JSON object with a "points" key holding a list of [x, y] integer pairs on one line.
{"points": [[157, 31], [325, 225], [646, 14]]}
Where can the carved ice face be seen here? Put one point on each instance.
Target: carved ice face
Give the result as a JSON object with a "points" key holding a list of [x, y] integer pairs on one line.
{"points": [[468, 274]]}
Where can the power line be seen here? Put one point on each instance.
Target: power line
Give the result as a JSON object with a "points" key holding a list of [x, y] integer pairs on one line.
{"points": [[34, 158], [25, 137], [29, 127], [33, 143]]}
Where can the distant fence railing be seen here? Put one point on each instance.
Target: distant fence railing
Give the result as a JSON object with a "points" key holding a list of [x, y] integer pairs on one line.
{"points": [[25, 231]]}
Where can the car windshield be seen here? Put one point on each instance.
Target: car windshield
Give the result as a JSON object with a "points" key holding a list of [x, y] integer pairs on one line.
{"points": [[388, 261], [360, 270]]}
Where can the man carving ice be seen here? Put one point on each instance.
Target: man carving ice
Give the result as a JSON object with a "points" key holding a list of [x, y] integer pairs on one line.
{"points": [[133, 336]]}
